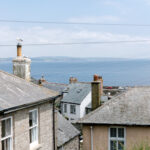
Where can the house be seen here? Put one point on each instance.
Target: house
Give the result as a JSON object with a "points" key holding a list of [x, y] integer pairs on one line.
{"points": [[120, 123], [75, 100], [67, 134], [26, 115], [77, 97]]}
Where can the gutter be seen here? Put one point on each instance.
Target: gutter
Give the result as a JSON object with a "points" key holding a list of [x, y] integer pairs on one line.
{"points": [[16, 108], [91, 138], [112, 124]]}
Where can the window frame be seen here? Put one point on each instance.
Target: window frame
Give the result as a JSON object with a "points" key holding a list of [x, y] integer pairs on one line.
{"points": [[35, 126], [65, 108], [116, 138], [74, 109], [10, 136]]}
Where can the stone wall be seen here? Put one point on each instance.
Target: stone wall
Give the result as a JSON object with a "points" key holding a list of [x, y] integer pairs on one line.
{"points": [[71, 145], [21, 67], [21, 128]]}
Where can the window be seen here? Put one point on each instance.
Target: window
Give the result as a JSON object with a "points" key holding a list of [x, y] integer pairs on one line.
{"points": [[117, 138], [65, 108], [6, 136], [73, 109], [33, 126]]}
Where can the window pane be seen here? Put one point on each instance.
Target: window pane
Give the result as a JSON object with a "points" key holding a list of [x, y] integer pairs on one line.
{"points": [[33, 134], [6, 144], [113, 145], [30, 119], [121, 132], [65, 108], [6, 127], [72, 109], [120, 145], [33, 118], [113, 132]]}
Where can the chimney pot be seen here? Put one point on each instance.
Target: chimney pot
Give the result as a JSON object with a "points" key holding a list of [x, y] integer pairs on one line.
{"points": [[95, 77], [19, 50], [73, 80]]}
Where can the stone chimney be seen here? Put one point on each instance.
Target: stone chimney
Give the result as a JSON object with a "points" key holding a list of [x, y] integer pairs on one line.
{"points": [[73, 80], [101, 88], [96, 92], [21, 65]]}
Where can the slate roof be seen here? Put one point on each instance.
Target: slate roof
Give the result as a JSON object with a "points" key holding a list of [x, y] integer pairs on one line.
{"points": [[129, 108], [55, 86], [15, 91], [103, 100], [76, 92], [65, 131]]}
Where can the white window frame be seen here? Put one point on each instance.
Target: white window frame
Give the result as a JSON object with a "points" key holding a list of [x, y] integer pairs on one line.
{"points": [[10, 136], [116, 138], [65, 108], [37, 125], [74, 107]]}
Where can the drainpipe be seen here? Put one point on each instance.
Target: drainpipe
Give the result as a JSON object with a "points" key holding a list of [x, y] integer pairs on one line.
{"points": [[91, 138], [54, 137]]}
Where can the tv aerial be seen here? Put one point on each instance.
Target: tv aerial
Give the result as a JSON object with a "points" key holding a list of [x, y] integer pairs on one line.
{"points": [[19, 40]]}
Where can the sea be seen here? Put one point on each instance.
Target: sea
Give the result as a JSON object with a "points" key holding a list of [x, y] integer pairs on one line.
{"points": [[114, 72]]}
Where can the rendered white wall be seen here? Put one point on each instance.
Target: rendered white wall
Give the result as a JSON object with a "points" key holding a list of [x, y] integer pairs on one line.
{"points": [[68, 114], [84, 104]]}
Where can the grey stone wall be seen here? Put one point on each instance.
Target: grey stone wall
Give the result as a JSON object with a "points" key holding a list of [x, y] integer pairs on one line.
{"points": [[21, 67], [21, 128], [46, 127], [71, 145]]}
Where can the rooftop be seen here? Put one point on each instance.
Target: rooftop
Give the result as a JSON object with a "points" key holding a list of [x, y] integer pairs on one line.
{"points": [[55, 86], [76, 92], [129, 108], [15, 91], [65, 131]]}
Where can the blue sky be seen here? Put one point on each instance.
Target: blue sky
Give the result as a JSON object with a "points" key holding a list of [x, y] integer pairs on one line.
{"points": [[94, 11]]}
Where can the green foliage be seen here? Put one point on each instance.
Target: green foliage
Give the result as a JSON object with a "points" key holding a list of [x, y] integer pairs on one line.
{"points": [[143, 146]]}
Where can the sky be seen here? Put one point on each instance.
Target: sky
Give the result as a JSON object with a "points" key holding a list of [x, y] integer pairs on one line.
{"points": [[91, 11]]}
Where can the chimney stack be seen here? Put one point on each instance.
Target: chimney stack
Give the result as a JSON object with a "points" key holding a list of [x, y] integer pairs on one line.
{"points": [[73, 80], [96, 91], [21, 65]]}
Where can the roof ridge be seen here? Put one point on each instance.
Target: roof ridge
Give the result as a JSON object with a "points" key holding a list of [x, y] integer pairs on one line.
{"points": [[56, 83]]}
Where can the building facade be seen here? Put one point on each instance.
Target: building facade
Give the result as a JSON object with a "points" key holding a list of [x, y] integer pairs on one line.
{"points": [[27, 119], [121, 123]]}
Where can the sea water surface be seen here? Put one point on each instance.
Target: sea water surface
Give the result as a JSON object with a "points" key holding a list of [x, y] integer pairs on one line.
{"points": [[117, 73]]}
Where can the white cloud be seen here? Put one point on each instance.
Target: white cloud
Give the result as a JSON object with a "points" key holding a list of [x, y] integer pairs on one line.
{"points": [[56, 35]]}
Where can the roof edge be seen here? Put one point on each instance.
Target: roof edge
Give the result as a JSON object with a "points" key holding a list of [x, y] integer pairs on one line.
{"points": [[20, 107], [69, 140], [113, 124]]}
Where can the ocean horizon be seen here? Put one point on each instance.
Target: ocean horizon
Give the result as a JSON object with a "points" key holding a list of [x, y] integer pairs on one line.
{"points": [[115, 72]]}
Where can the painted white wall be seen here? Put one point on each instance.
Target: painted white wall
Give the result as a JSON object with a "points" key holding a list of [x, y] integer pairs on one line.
{"points": [[80, 109], [68, 114], [84, 104]]}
